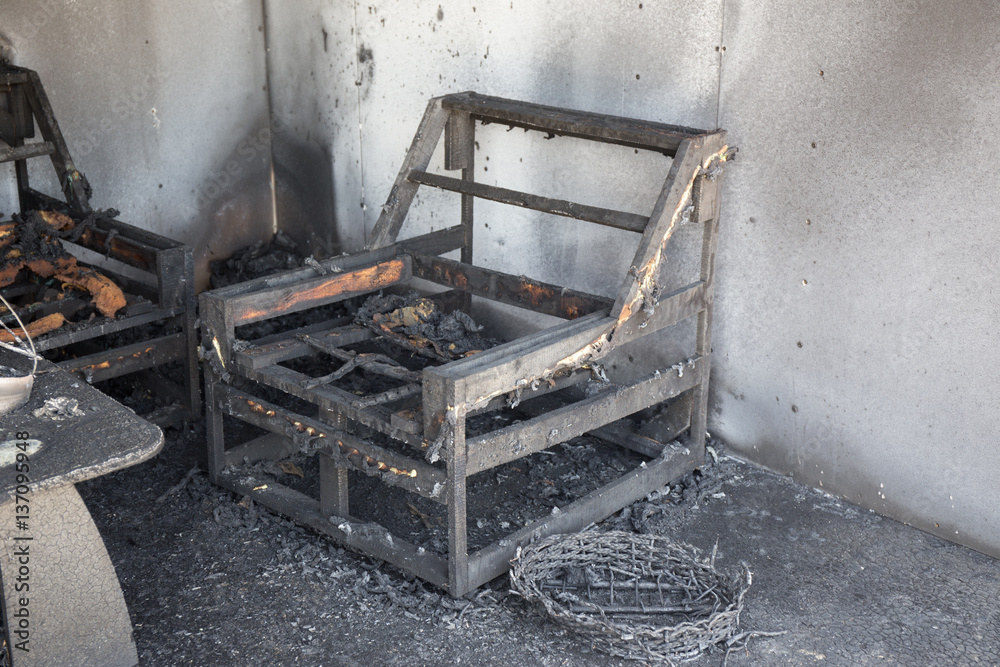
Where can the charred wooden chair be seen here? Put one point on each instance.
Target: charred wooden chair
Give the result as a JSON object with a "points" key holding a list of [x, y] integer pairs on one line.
{"points": [[342, 428], [166, 267]]}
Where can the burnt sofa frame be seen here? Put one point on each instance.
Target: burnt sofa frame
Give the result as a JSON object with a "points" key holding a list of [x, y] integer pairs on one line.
{"points": [[547, 360], [168, 265]]}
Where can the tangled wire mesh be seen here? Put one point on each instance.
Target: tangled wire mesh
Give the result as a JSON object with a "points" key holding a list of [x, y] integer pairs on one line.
{"points": [[639, 597]]}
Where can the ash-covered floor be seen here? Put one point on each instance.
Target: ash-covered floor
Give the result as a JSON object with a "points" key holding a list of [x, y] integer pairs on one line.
{"points": [[212, 580]]}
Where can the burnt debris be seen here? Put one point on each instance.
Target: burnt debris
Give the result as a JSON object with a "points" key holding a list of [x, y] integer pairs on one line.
{"points": [[259, 259], [34, 257], [450, 335]]}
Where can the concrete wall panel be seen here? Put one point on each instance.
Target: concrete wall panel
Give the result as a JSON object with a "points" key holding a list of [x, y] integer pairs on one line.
{"points": [[855, 338]]}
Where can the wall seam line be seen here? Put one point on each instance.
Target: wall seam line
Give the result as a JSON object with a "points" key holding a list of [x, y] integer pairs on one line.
{"points": [[720, 46]]}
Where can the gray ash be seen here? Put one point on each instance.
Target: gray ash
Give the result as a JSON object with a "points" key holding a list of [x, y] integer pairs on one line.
{"points": [[281, 253]]}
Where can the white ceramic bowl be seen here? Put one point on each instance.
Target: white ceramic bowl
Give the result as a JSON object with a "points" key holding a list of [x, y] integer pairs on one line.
{"points": [[14, 392]]}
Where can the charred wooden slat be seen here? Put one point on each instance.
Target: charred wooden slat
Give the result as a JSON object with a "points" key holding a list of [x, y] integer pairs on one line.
{"points": [[389, 396], [66, 307], [93, 330], [672, 307], [408, 418], [506, 288], [336, 265], [526, 358], [140, 237], [592, 126], [334, 499], [334, 399], [622, 432], [16, 121], [551, 428], [376, 363], [322, 290], [494, 560], [401, 195], [675, 201], [11, 292], [316, 327], [128, 359], [172, 275], [289, 345], [435, 243], [631, 222], [501, 369], [26, 151], [459, 132], [708, 209], [439, 242], [129, 244], [618, 433], [69, 177], [664, 220], [460, 153], [671, 420], [13, 78], [214, 423], [352, 452], [370, 539], [531, 392]]}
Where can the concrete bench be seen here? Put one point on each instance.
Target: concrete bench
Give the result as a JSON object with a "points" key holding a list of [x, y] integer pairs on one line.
{"points": [[63, 603]]}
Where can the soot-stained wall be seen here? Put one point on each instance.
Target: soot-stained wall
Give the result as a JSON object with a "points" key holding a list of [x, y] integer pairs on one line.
{"points": [[854, 342], [857, 312], [164, 108]]}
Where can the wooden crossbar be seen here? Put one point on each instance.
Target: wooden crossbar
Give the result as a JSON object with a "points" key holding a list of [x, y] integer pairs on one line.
{"points": [[631, 222]]}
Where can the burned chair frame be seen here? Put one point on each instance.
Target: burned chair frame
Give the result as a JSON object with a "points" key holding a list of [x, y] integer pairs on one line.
{"points": [[548, 360], [167, 266]]}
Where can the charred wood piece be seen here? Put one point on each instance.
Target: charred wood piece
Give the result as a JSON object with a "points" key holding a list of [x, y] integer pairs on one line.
{"points": [[376, 363]]}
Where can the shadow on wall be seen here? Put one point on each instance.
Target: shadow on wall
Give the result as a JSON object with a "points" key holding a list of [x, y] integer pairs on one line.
{"points": [[233, 204], [303, 183], [235, 207]]}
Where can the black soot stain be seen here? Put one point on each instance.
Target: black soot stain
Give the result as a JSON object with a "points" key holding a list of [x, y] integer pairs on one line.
{"points": [[367, 74]]}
